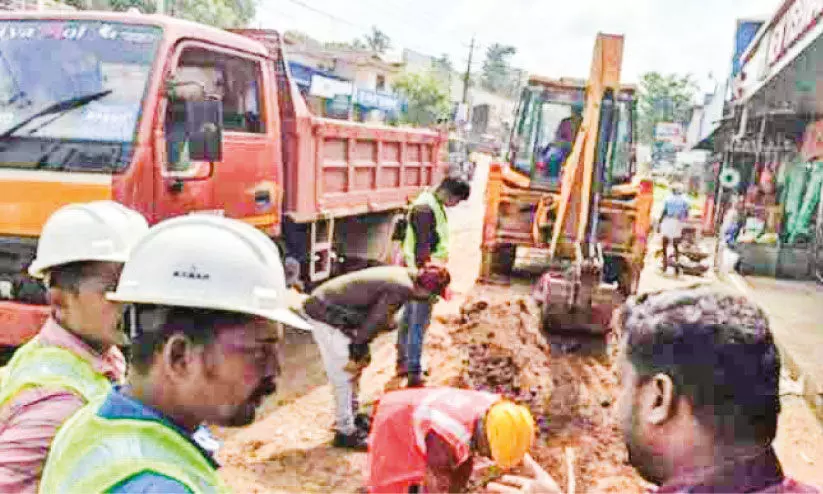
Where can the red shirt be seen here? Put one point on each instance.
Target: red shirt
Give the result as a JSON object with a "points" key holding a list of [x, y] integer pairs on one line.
{"points": [[404, 420], [29, 422]]}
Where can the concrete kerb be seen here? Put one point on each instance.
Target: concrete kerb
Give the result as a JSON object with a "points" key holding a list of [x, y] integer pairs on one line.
{"points": [[809, 384]]}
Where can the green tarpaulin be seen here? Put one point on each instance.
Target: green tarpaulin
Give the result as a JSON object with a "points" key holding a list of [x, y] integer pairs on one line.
{"points": [[801, 199]]}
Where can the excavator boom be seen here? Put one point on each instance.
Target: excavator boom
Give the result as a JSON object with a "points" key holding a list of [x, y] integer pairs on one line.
{"points": [[580, 167]]}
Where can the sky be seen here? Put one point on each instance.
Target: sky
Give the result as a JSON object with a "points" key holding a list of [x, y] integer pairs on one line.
{"points": [[553, 37]]}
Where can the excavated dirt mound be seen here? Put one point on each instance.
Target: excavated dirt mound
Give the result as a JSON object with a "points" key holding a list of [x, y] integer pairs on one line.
{"points": [[494, 345]]}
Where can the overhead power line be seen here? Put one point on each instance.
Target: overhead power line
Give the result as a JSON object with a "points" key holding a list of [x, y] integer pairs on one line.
{"points": [[364, 27]]}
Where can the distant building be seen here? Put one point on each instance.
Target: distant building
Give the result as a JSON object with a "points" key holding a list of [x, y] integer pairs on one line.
{"points": [[341, 82]]}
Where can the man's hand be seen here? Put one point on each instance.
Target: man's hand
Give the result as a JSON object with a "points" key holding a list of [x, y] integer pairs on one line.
{"points": [[539, 482], [440, 263], [359, 358], [359, 352]]}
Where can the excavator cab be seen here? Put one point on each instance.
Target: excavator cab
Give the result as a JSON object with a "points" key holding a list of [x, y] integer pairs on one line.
{"points": [[567, 203], [549, 117]]}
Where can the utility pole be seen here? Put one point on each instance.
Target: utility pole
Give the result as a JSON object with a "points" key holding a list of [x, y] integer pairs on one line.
{"points": [[468, 74]]}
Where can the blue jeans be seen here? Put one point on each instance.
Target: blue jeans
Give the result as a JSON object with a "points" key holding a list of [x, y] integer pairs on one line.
{"points": [[416, 318]]}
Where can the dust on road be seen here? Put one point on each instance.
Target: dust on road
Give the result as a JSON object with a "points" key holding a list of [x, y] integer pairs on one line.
{"points": [[486, 337]]}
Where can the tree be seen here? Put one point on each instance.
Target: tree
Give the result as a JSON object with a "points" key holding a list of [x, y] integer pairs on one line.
{"points": [[377, 41], [496, 68], [355, 45], [427, 98], [443, 64], [145, 6], [220, 13], [663, 98]]}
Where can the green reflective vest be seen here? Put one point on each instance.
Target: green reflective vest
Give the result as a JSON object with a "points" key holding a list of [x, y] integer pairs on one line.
{"points": [[441, 249], [93, 454], [37, 365]]}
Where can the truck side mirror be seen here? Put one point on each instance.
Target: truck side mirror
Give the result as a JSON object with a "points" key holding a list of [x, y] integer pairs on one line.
{"points": [[196, 131]]}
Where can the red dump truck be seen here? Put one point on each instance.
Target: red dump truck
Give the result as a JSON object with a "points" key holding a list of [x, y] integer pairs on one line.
{"points": [[171, 117]]}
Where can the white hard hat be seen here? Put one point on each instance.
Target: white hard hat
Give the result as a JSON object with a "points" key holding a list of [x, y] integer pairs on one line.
{"points": [[102, 231], [208, 262]]}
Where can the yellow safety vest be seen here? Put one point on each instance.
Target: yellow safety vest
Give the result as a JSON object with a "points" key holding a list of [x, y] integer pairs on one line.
{"points": [[441, 226], [93, 454], [37, 365]]}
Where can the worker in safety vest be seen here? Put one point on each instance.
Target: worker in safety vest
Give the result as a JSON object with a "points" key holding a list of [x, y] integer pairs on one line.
{"points": [[426, 242], [204, 299], [347, 313], [426, 439], [75, 356]]}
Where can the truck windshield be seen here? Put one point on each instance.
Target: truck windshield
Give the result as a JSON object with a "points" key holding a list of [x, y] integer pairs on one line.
{"points": [[71, 92]]}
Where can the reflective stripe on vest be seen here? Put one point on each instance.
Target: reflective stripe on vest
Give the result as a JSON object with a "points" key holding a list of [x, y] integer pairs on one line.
{"points": [[93, 454], [402, 419], [36, 364], [441, 227]]}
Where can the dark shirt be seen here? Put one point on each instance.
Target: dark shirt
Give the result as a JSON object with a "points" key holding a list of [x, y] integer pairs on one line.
{"points": [[423, 221], [362, 303], [761, 474]]}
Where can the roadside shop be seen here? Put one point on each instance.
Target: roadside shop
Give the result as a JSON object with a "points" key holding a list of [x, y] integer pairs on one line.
{"points": [[772, 148]]}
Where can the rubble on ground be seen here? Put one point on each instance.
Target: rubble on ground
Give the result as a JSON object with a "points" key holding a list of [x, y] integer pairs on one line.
{"points": [[500, 349]]}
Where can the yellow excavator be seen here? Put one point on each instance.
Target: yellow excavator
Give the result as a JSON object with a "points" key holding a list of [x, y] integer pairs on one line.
{"points": [[569, 200]]}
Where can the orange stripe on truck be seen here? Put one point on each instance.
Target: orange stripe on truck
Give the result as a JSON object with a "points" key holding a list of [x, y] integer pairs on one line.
{"points": [[29, 197]]}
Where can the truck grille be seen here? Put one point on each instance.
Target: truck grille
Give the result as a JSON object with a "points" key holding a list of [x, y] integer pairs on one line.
{"points": [[16, 253]]}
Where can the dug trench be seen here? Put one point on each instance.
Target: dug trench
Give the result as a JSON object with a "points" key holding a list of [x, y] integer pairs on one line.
{"points": [[491, 342], [571, 396]]}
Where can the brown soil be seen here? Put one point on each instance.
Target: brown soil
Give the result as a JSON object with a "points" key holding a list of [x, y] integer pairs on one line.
{"points": [[494, 344]]}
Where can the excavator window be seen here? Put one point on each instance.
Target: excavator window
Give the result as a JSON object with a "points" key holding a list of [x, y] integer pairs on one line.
{"points": [[621, 161], [545, 132]]}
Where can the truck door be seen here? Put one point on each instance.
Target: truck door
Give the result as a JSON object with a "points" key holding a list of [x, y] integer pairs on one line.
{"points": [[241, 185]]}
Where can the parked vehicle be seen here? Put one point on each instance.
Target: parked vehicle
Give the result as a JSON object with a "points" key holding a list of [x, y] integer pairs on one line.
{"points": [[460, 164], [171, 117]]}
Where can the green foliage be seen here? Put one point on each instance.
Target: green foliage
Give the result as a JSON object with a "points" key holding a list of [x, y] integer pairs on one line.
{"points": [[497, 70], [663, 98], [355, 45], [443, 63], [427, 97], [220, 13], [377, 41], [145, 6]]}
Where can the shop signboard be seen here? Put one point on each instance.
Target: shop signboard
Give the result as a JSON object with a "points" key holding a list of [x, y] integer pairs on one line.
{"points": [[745, 33], [670, 132], [373, 99], [326, 87], [796, 20]]}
